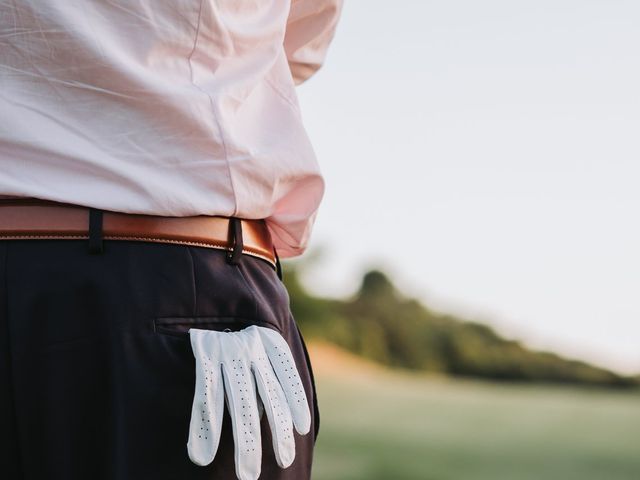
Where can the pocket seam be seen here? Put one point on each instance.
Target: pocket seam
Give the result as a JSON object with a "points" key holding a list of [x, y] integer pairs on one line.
{"points": [[165, 322]]}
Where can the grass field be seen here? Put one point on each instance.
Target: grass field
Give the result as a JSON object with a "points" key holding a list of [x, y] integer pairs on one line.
{"points": [[382, 425]]}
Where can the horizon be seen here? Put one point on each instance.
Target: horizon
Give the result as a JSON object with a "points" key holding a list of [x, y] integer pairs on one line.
{"points": [[304, 273]]}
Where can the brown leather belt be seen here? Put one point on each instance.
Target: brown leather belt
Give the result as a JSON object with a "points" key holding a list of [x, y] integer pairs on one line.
{"points": [[33, 218]]}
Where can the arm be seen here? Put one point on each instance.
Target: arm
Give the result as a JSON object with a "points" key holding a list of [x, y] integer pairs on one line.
{"points": [[310, 28]]}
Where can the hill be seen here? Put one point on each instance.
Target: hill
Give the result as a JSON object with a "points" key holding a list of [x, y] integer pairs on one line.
{"points": [[381, 324]]}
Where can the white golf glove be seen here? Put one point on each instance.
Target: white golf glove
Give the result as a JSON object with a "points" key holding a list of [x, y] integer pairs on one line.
{"points": [[229, 365]]}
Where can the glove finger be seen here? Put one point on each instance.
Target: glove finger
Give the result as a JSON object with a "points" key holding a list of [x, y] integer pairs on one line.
{"points": [[243, 409], [277, 410], [284, 366], [260, 408], [206, 413]]}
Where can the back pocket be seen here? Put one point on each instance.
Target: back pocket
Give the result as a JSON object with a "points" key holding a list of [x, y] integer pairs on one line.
{"points": [[179, 326]]}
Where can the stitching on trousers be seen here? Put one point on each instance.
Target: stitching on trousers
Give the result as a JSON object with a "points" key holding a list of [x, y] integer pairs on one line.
{"points": [[193, 281], [239, 267]]}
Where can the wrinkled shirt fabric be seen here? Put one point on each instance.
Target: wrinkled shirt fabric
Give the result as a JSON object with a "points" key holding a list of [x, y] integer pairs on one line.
{"points": [[165, 107]]}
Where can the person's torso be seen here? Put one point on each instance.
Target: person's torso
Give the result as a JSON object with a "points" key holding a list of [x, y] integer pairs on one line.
{"points": [[171, 107]]}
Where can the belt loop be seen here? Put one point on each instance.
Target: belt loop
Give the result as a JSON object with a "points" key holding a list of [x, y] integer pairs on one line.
{"points": [[95, 231], [278, 266], [235, 238]]}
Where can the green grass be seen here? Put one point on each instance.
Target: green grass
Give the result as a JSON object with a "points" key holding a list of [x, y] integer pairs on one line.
{"points": [[397, 426]]}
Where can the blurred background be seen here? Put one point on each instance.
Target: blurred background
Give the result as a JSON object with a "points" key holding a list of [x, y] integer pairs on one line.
{"points": [[470, 292]]}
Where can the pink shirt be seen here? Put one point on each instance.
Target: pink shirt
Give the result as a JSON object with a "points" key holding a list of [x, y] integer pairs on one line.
{"points": [[166, 107]]}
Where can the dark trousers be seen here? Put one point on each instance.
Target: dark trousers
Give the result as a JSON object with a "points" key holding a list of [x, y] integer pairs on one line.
{"points": [[96, 369]]}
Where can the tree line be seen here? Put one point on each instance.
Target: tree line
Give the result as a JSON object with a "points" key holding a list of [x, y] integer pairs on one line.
{"points": [[381, 324]]}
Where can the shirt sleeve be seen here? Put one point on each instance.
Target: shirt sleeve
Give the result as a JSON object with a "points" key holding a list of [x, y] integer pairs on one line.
{"points": [[311, 26]]}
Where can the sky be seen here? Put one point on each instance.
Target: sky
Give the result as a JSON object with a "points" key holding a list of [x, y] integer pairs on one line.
{"points": [[486, 155]]}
